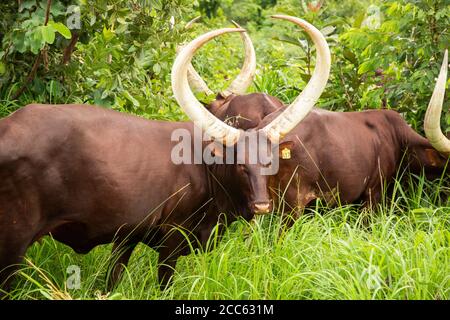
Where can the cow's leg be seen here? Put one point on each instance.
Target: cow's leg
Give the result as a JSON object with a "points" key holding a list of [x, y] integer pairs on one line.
{"points": [[371, 197], [120, 255], [288, 218], [174, 246], [166, 267], [12, 251], [296, 199], [19, 227], [8, 265]]}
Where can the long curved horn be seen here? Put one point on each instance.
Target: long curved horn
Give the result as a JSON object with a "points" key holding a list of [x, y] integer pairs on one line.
{"points": [[242, 81], [186, 99], [245, 77], [432, 124], [303, 104], [190, 23], [195, 81]]}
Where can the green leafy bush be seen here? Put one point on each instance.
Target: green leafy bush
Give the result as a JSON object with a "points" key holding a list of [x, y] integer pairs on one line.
{"points": [[385, 54], [120, 56], [397, 62]]}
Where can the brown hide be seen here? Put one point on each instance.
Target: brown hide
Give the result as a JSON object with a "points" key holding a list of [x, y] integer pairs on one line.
{"points": [[245, 111]]}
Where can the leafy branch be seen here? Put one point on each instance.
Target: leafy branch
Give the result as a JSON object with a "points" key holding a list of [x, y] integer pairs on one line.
{"points": [[38, 59]]}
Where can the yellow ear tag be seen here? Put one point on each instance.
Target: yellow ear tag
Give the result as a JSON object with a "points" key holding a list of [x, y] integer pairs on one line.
{"points": [[285, 154]]}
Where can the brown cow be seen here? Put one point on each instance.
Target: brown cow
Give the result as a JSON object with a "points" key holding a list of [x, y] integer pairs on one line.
{"points": [[358, 152], [343, 157], [90, 176]]}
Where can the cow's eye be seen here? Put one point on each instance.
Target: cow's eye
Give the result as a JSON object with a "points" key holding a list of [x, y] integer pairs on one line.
{"points": [[266, 165], [243, 168]]}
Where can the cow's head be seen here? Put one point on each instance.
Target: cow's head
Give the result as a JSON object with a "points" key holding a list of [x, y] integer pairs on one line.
{"points": [[245, 111], [250, 178]]}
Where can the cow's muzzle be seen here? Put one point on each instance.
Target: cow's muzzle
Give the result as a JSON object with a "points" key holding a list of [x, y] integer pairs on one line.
{"points": [[262, 208]]}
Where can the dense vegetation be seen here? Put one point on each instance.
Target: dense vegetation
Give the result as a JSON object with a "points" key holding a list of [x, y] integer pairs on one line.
{"points": [[118, 54]]}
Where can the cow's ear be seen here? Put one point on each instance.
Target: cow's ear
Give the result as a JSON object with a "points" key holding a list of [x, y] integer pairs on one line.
{"points": [[285, 149], [220, 96], [434, 158], [216, 149]]}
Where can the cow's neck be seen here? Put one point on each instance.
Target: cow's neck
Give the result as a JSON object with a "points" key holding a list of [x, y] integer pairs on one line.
{"points": [[223, 190], [423, 157]]}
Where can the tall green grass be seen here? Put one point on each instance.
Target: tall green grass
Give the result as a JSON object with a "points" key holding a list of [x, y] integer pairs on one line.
{"points": [[399, 250]]}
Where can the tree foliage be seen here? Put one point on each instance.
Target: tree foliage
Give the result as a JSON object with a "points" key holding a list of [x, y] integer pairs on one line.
{"points": [[386, 54], [105, 52]]}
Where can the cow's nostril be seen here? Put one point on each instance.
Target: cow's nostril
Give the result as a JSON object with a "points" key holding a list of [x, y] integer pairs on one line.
{"points": [[261, 208]]}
